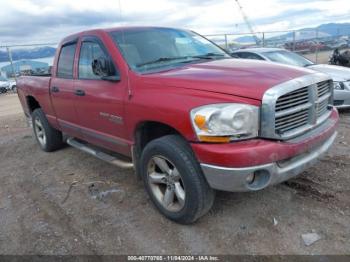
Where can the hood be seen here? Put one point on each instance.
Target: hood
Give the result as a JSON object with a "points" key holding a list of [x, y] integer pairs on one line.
{"points": [[338, 73], [239, 77]]}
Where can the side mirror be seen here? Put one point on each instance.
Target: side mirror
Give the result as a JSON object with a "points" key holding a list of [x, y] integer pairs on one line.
{"points": [[104, 68]]}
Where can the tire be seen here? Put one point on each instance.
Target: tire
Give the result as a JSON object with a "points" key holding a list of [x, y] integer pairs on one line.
{"points": [[14, 89], [49, 138], [184, 173]]}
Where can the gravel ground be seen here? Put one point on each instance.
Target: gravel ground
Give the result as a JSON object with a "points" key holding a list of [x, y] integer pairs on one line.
{"points": [[68, 202]]}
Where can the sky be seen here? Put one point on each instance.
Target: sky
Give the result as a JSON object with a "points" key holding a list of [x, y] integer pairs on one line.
{"points": [[47, 21]]}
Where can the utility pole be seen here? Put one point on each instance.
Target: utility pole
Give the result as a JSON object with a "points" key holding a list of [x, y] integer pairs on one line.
{"points": [[10, 58]]}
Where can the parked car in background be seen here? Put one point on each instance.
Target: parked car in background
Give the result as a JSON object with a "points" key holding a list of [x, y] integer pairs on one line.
{"points": [[12, 86], [182, 112], [339, 74], [4, 85], [340, 58], [7, 85]]}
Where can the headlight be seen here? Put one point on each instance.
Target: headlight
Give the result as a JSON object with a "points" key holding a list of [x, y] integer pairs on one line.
{"points": [[347, 85], [225, 122], [338, 85]]}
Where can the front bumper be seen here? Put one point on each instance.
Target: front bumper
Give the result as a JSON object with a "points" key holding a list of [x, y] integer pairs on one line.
{"points": [[342, 99], [255, 170], [236, 179]]}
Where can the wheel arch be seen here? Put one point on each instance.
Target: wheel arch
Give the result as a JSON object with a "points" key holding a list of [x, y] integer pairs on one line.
{"points": [[146, 132], [32, 103]]}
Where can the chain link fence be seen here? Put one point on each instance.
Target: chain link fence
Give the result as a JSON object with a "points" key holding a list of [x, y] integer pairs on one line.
{"points": [[28, 59], [314, 44]]}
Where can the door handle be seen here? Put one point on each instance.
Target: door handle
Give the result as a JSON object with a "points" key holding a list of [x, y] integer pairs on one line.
{"points": [[79, 92], [55, 89]]}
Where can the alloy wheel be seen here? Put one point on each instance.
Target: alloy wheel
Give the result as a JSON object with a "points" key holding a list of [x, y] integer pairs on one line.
{"points": [[40, 132], [166, 183]]}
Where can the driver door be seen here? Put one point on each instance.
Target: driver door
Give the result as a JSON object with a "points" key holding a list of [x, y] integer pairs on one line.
{"points": [[99, 103]]}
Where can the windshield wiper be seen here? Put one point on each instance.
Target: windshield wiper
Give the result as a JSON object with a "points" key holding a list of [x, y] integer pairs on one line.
{"points": [[166, 59], [162, 59], [208, 56]]}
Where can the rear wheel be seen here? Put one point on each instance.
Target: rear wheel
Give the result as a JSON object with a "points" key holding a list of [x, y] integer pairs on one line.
{"points": [[49, 138], [174, 180]]}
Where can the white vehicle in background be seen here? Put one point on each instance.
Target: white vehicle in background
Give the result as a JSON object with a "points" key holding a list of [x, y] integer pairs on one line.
{"points": [[12, 86], [339, 74], [4, 85], [7, 85]]}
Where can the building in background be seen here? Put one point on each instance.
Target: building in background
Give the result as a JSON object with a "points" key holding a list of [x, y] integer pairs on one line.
{"points": [[25, 67]]}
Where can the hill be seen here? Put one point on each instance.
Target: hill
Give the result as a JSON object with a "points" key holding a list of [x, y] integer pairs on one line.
{"points": [[324, 30], [34, 53]]}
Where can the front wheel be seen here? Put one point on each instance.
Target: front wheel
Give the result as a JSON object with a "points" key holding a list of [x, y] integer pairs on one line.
{"points": [[174, 180]]}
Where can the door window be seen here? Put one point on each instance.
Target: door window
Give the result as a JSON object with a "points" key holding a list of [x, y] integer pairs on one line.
{"points": [[66, 61], [89, 52]]}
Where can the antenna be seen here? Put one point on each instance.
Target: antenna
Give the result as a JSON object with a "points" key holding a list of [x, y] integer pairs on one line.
{"points": [[123, 39], [249, 25]]}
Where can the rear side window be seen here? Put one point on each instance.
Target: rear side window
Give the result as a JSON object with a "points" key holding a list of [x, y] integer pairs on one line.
{"points": [[66, 61]]}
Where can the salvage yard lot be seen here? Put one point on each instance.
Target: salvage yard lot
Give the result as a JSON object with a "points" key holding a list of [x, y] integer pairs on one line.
{"points": [[68, 202]]}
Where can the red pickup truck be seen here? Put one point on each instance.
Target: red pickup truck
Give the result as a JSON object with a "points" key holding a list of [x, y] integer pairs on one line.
{"points": [[175, 107]]}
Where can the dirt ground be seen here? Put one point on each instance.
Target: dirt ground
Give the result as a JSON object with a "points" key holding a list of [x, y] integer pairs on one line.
{"points": [[68, 202]]}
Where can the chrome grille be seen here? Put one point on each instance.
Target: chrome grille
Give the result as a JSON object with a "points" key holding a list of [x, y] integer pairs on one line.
{"points": [[322, 108], [323, 88], [296, 106], [292, 121], [292, 99], [324, 95]]}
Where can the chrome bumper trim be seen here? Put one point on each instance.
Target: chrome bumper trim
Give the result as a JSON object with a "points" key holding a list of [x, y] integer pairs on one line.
{"points": [[235, 179]]}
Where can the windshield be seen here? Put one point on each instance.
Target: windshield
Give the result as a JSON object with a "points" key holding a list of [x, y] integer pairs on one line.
{"points": [[148, 49], [289, 58]]}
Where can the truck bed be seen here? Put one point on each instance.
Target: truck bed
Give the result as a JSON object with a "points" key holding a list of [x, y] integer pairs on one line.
{"points": [[38, 87]]}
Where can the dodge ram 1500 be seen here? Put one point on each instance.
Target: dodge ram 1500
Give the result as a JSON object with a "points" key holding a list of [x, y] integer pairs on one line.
{"points": [[175, 107]]}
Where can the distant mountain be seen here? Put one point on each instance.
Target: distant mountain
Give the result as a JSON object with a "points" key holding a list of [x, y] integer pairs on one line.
{"points": [[335, 29], [34, 53], [245, 39], [324, 30]]}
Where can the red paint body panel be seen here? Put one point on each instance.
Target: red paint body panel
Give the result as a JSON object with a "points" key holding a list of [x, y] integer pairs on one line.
{"points": [[166, 97], [239, 77], [259, 152]]}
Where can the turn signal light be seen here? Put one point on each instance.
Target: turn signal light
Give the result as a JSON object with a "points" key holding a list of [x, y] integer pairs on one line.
{"points": [[199, 120], [215, 139]]}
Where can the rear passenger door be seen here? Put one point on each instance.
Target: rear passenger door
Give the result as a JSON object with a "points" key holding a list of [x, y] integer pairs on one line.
{"points": [[62, 90], [100, 107]]}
